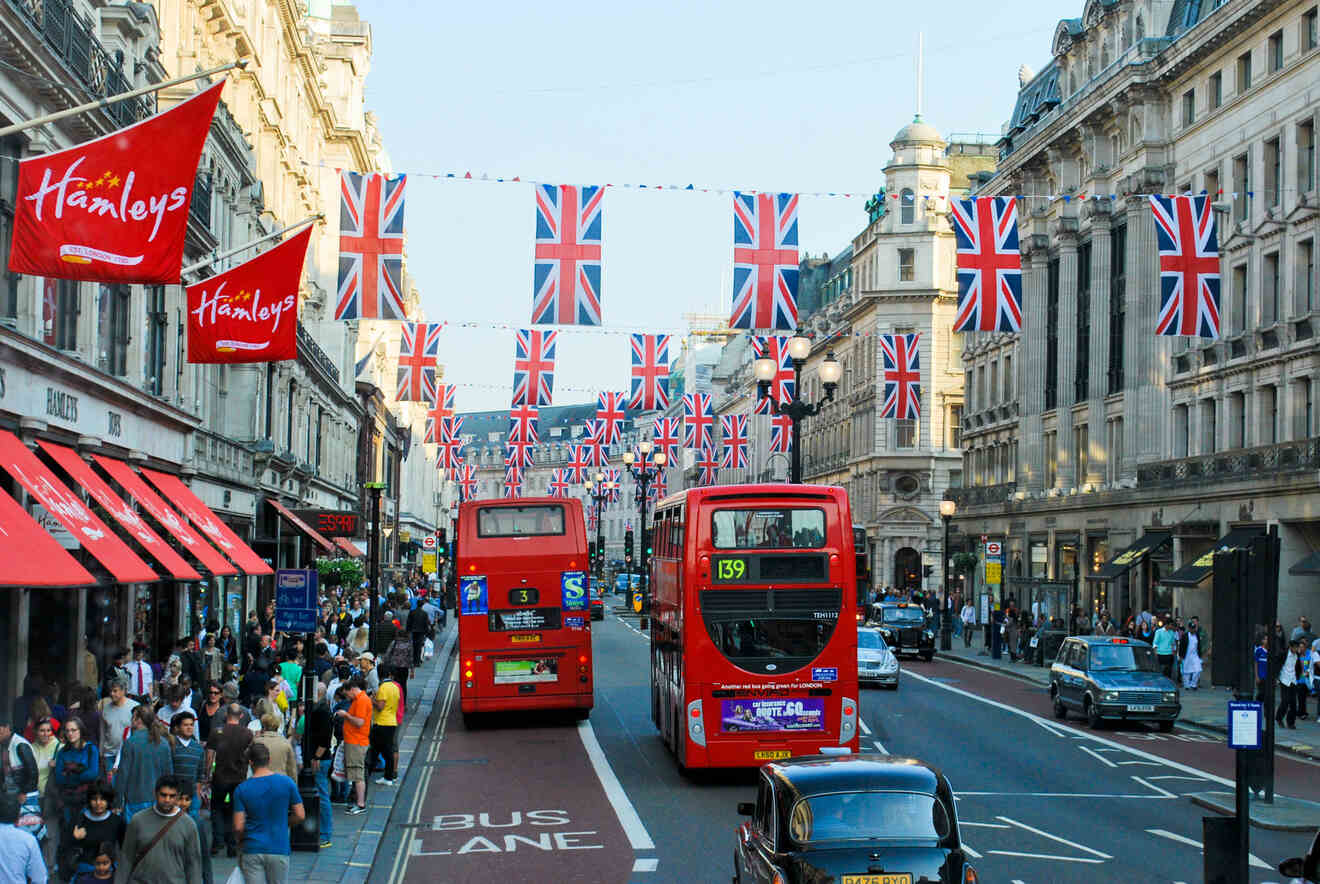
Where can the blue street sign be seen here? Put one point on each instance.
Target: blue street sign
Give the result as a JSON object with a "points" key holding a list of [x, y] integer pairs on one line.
{"points": [[295, 600], [1245, 718]]}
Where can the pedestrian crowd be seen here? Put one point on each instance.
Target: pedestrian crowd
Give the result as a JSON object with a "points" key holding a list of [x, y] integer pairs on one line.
{"points": [[146, 771], [1291, 660]]}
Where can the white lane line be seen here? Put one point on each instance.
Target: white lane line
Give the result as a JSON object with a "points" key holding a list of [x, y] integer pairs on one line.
{"points": [[1017, 881], [1151, 763], [866, 730], [1173, 765], [1165, 792], [961, 795], [967, 849], [1097, 756], [1049, 727], [623, 807], [1174, 777], [1062, 859], [1044, 834], [880, 747], [984, 825], [648, 864], [1252, 859]]}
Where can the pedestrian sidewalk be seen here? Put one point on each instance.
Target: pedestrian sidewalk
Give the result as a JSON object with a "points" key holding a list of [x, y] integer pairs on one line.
{"points": [[349, 858], [1204, 708]]}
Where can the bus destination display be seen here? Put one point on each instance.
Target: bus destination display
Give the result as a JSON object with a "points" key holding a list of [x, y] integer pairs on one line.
{"points": [[524, 596], [524, 620]]}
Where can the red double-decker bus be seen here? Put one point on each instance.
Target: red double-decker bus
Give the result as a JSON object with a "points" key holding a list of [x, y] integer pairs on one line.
{"points": [[524, 624], [753, 626]]}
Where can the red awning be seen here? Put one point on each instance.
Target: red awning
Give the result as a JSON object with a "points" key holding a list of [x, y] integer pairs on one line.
{"points": [[208, 522], [300, 524], [350, 547], [29, 556], [68, 508], [82, 473], [161, 512]]}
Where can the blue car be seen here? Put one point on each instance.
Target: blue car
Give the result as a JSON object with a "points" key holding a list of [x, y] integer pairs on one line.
{"points": [[1109, 678]]}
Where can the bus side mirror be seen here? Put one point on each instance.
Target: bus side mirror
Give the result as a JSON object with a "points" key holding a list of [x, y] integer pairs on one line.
{"points": [[747, 808]]}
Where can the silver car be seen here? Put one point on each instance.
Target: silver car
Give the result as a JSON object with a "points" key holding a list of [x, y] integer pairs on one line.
{"points": [[875, 661]]}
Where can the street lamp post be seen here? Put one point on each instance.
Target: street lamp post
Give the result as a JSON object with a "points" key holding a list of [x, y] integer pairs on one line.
{"points": [[600, 492], [947, 508], [644, 473], [799, 348], [373, 565]]}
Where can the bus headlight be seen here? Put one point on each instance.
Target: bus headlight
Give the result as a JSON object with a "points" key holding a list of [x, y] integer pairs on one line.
{"points": [[696, 732], [847, 721]]}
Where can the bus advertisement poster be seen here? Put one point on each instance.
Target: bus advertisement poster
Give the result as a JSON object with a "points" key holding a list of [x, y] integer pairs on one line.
{"points": [[523, 671], [772, 715]]}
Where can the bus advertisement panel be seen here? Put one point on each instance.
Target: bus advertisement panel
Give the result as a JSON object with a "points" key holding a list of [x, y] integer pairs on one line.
{"points": [[524, 625], [754, 629]]}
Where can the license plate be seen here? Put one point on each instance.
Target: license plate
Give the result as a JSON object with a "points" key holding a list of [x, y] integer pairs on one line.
{"points": [[525, 639], [771, 754], [901, 878], [1143, 707]]}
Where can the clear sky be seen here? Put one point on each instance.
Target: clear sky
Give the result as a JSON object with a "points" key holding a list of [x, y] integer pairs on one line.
{"points": [[769, 95]]}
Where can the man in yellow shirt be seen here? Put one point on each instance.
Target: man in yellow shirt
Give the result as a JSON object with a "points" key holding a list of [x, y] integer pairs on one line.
{"points": [[385, 725]]}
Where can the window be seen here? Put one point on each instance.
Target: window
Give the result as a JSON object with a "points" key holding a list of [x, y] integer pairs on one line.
{"points": [[1309, 38], [1275, 48], [1081, 454], [994, 382], [771, 527], [906, 434], [1189, 107], [1008, 378], [968, 390], [1211, 179], [1052, 335], [112, 330], [955, 426], [1114, 450], [153, 369], [518, 521], [1306, 301], [1306, 156], [1269, 415], [906, 265], [955, 478], [1238, 313], [1302, 405], [905, 817], [1117, 305], [1208, 428], [981, 401], [1082, 368], [13, 146], [288, 419], [1051, 441], [1237, 420], [1216, 89], [1273, 172], [1241, 184], [320, 433], [1243, 72], [59, 313], [270, 401], [1180, 431], [907, 210]]}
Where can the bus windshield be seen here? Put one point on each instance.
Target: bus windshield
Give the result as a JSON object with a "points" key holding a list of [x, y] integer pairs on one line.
{"points": [[772, 643], [774, 528], [520, 521]]}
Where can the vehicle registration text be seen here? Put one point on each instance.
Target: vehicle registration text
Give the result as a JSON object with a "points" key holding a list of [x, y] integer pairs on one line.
{"points": [[525, 639], [770, 754], [897, 878], [1142, 707]]}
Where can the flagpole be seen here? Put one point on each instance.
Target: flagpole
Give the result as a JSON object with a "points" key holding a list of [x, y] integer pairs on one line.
{"points": [[111, 99], [193, 268]]}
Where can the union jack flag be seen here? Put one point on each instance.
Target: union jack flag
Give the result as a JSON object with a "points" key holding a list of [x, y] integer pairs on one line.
{"points": [[781, 433], [610, 414], [782, 385], [765, 260], [664, 435], [733, 428], [513, 483], [419, 347], [442, 406], [370, 246], [580, 461], [467, 481], [650, 372], [698, 420], [659, 488], [450, 442], [594, 443], [456, 464], [566, 275], [707, 467], [534, 367], [614, 476], [518, 453], [1189, 266], [902, 376], [558, 485], [522, 424], [989, 265]]}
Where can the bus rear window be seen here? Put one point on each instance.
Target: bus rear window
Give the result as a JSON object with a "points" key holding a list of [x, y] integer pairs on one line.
{"points": [[769, 528], [520, 521]]}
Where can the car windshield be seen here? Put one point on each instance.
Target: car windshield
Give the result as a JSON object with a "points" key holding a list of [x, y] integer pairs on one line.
{"points": [[870, 639], [1126, 658], [777, 528], [904, 616], [909, 817]]}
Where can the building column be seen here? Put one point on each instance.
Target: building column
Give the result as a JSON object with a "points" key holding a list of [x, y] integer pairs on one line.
{"points": [[1098, 379], [1032, 388], [1067, 348], [1146, 357]]}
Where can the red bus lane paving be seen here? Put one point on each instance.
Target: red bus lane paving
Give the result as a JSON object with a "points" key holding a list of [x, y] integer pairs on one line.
{"points": [[1206, 752], [511, 802]]}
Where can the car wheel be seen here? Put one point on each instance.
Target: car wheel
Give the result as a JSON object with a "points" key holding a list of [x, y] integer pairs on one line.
{"points": [[1166, 727], [1093, 719], [928, 656], [894, 686], [1060, 710]]}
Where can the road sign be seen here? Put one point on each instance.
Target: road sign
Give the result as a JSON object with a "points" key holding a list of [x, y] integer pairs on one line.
{"points": [[994, 549], [295, 600], [428, 561], [1244, 724], [428, 542], [637, 602]]}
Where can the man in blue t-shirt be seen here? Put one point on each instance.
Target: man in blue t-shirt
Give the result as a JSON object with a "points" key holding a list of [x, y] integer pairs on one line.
{"points": [[265, 806]]}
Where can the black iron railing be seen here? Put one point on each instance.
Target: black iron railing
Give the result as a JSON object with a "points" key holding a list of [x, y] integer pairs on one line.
{"points": [[308, 347], [981, 495], [1302, 455]]}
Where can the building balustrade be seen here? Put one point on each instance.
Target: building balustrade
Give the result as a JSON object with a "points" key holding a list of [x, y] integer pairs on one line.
{"points": [[1227, 466]]}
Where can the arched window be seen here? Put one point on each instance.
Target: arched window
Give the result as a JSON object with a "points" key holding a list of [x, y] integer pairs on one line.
{"points": [[907, 206]]}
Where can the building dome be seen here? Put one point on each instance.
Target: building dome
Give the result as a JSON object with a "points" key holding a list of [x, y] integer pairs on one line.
{"points": [[918, 132]]}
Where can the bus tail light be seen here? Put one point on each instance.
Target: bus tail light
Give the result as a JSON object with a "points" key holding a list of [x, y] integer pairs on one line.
{"points": [[970, 876], [696, 730], [847, 721]]}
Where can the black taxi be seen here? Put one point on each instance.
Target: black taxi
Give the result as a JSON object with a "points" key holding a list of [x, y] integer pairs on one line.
{"points": [[905, 627], [1112, 678], [861, 819]]}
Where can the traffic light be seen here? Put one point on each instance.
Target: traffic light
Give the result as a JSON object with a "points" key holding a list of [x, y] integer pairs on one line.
{"points": [[591, 551], [928, 570], [628, 545], [442, 538], [646, 541]]}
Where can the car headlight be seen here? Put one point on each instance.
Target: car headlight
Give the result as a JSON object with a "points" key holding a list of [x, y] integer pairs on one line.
{"points": [[889, 665], [1170, 696], [929, 634], [1109, 695]]}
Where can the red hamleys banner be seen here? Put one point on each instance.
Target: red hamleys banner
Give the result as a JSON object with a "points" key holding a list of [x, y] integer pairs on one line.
{"points": [[114, 209], [249, 313]]}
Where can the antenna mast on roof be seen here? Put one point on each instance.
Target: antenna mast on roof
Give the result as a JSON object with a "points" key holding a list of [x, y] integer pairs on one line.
{"points": [[921, 49]]}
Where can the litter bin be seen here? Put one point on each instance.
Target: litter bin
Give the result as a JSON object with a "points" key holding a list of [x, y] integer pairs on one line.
{"points": [[1047, 645]]}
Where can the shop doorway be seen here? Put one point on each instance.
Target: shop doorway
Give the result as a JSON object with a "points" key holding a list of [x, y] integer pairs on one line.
{"points": [[907, 569]]}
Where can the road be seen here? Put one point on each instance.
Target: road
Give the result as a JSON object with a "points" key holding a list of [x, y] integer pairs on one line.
{"points": [[601, 801]]}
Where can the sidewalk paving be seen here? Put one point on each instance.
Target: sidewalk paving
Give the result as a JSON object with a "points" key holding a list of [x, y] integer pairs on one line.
{"points": [[1204, 708], [349, 858]]}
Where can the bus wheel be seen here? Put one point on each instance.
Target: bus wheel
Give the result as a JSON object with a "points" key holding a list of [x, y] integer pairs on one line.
{"points": [[581, 714], [470, 721]]}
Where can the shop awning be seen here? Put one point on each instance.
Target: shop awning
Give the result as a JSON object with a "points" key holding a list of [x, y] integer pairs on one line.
{"points": [[1192, 573], [82, 473], [208, 523], [302, 526], [350, 547], [1308, 565], [29, 556], [1119, 564], [167, 517], [68, 509]]}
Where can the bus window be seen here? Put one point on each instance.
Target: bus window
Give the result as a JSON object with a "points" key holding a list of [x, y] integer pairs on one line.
{"points": [[770, 643], [519, 521], [781, 528]]}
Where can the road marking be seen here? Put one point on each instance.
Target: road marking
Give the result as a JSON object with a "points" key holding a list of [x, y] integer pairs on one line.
{"points": [[1255, 861], [1062, 859], [1151, 763], [880, 747], [623, 807], [1097, 756], [967, 848], [646, 865], [1043, 834], [1150, 785], [984, 825], [1043, 723], [1131, 750], [866, 730], [1054, 795], [1174, 777]]}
